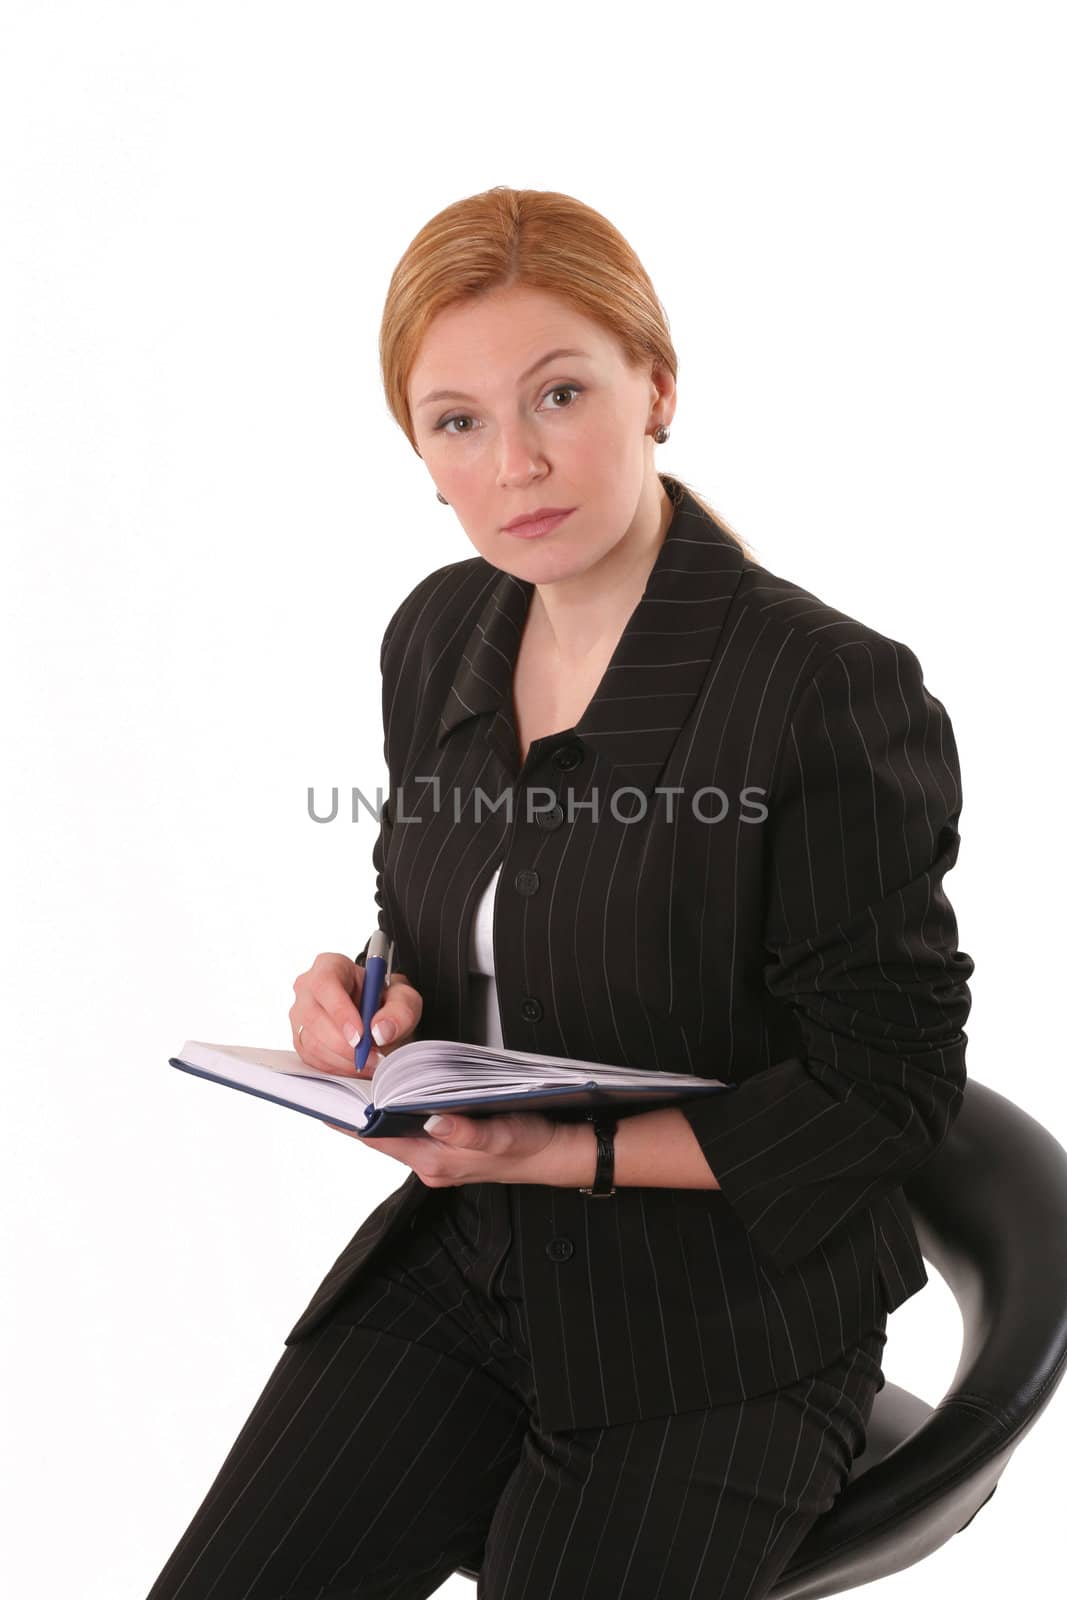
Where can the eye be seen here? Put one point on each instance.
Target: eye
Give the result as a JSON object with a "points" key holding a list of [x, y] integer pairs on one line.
{"points": [[564, 388], [557, 388]]}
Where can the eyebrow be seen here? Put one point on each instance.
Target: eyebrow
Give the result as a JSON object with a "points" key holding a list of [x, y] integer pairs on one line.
{"points": [[454, 394]]}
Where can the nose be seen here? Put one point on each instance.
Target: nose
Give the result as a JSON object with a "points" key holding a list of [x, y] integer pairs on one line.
{"points": [[519, 456]]}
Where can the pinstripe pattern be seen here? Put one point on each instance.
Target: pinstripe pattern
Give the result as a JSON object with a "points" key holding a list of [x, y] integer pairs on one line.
{"points": [[400, 1439], [801, 945]]}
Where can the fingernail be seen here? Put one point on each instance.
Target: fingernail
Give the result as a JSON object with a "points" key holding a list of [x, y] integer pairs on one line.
{"points": [[383, 1031], [351, 1033], [441, 1125]]}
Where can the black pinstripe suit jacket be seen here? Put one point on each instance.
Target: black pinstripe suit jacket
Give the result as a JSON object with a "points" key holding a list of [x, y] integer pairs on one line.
{"points": [[732, 865]]}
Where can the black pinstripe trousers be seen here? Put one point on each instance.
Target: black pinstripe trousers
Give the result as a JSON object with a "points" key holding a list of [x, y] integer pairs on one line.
{"points": [[401, 1440]]}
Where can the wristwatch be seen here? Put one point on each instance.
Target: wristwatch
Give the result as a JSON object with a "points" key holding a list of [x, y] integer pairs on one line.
{"points": [[604, 1125]]}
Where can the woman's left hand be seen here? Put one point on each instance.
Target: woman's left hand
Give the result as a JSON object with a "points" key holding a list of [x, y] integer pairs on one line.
{"points": [[515, 1147]]}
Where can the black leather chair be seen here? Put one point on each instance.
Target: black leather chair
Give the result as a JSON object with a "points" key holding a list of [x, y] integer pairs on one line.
{"points": [[990, 1209]]}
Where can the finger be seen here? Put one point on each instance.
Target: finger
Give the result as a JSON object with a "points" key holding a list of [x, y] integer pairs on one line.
{"points": [[400, 1012], [318, 1042], [338, 1011], [332, 978], [307, 1040]]}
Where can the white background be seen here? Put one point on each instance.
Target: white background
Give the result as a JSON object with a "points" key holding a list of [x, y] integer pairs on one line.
{"points": [[853, 215]]}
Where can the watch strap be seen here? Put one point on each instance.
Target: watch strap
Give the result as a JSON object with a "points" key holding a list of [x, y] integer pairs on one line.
{"points": [[604, 1126]]}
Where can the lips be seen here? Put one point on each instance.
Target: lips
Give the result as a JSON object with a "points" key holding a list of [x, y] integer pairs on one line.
{"points": [[533, 528]]}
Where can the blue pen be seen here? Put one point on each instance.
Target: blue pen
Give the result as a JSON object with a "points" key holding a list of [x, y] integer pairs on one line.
{"points": [[376, 976]]}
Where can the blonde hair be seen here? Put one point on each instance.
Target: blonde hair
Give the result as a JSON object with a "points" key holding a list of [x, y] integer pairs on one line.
{"points": [[534, 237]]}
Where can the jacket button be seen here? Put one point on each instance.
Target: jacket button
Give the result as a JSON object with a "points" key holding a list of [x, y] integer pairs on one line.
{"points": [[567, 756], [527, 881], [559, 1249], [532, 1010], [550, 819]]}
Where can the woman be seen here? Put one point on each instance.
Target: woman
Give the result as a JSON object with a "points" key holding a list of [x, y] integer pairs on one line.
{"points": [[670, 811]]}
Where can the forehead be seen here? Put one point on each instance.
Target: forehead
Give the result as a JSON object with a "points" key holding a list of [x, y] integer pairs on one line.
{"points": [[496, 336]]}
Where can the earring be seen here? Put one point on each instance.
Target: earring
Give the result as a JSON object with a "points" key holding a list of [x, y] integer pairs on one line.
{"points": [[441, 497]]}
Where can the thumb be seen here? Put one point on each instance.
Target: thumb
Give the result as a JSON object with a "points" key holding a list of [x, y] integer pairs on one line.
{"points": [[463, 1131]]}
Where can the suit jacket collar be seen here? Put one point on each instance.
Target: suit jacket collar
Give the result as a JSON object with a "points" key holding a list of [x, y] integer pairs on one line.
{"points": [[656, 672]]}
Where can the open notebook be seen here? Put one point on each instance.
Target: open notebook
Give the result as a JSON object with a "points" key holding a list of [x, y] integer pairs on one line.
{"points": [[431, 1075]]}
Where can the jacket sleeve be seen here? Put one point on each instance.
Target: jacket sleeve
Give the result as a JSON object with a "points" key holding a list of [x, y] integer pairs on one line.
{"points": [[378, 855], [863, 808], [386, 824]]}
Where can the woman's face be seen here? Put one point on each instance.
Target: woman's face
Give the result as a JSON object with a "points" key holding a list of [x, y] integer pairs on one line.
{"points": [[574, 430]]}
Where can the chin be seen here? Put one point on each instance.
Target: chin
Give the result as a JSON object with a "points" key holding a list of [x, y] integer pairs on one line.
{"points": [[551, 566]]}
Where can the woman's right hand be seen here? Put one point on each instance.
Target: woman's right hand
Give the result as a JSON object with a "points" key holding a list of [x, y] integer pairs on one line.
{"points": [[327, 1003]]}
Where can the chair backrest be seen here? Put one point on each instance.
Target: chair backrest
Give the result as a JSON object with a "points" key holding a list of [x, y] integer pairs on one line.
{"points": [[990, 1210]]}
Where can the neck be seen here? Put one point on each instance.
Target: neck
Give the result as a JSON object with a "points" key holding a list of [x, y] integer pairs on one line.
{"points": [[579, 616]]}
